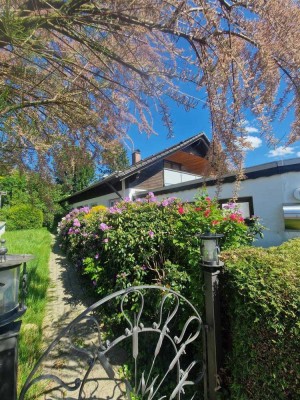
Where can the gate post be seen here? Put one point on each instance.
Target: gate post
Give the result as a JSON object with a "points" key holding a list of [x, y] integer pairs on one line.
{"points": [[211, 269]]}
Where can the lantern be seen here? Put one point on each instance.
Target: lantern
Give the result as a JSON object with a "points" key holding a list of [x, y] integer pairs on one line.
{"points": [[210, 250], [10, 266], [10, 310]]}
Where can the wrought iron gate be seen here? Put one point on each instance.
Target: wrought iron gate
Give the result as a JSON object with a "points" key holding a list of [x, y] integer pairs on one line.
{"points": [[153, 348]]}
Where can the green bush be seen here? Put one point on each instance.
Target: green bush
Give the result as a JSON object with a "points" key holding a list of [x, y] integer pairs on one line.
{"points": [[147, 242], [261, 303], [22, 216], [32, 188]]}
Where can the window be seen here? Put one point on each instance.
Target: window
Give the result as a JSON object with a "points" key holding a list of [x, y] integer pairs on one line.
{"points": [[244, 204], [113, 202]]}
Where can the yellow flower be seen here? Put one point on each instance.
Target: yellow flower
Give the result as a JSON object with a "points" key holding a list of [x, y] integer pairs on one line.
{"points": [[96, 210]]}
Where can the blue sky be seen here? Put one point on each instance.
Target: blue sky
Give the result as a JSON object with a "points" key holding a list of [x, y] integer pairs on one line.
{"points": [[187, 124]]}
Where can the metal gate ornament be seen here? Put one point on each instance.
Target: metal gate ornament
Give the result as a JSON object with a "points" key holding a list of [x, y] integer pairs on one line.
{"points": [[167, 327]]}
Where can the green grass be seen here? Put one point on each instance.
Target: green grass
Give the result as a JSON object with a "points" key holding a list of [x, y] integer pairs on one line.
{"points": [[38, 243]]}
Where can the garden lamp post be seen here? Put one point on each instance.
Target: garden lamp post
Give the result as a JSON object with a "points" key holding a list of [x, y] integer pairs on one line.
{"points": [[211, 266], [10, 310]]}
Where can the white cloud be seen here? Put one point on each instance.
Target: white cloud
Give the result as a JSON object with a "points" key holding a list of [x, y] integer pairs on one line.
{"points": [[298, 154], [249, 143], [281, 151], [251, 129], [254, 141]]}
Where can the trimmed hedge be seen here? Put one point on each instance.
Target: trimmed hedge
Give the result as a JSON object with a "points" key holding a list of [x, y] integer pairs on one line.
{"points": [[22, 216], [261, 303]]}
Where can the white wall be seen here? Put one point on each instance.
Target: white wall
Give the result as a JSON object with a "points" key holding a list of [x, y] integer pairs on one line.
{"points": [[269, 194]]}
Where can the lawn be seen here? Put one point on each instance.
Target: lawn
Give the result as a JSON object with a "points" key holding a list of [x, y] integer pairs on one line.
{"points": [[38, 243]]}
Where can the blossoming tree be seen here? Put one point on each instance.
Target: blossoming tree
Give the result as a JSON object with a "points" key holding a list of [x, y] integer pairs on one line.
{"points": [[84, 71]]}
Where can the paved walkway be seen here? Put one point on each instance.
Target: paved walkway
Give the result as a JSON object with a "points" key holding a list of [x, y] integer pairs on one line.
{"points": [[67, 293], [68, 297]]}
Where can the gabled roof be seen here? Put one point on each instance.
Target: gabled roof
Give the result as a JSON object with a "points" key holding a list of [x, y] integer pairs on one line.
{"points": [[145, 163]]}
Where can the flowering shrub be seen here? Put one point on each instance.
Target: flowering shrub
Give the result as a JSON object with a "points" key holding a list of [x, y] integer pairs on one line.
{"points": [[148, 241]]}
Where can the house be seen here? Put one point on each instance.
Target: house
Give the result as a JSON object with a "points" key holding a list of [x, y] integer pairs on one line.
{"points": [[183, 162], [270, 191]]}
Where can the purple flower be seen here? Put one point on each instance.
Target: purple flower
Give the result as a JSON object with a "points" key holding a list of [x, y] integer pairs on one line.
{"points": [[115, 210], [229, 206], [104, 227], [151, 234], [70, 231], [150, 194], [94, 283], [165, 203], [105, 240], [127, 200], [85, 209], [76, 222]]}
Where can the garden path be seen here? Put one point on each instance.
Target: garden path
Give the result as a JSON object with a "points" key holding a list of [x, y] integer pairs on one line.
{"points": [[68, 296]]}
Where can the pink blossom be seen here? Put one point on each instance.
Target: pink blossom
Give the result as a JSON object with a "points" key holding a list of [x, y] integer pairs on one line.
{"points": [[151, 234], [76, 222], [105, 240], [104, 227]]}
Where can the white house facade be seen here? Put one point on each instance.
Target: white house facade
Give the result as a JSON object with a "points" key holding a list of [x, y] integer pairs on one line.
{"points": [[271, 192]]}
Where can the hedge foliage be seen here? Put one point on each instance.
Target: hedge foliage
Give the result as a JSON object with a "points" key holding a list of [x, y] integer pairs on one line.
{"points": [[261, 303], [22, 216]]}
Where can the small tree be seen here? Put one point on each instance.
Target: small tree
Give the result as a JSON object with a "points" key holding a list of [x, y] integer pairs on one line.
{"points": [[74, 167]]}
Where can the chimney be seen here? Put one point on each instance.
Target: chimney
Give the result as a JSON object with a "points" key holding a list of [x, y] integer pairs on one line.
{"points": [[136, 157]]}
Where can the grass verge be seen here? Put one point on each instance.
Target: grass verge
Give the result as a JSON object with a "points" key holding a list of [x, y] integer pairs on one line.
{"points": [[38, 243]]}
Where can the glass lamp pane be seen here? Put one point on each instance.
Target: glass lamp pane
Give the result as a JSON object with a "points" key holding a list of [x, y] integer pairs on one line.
{"points": [[9, 289], [209, 251]]}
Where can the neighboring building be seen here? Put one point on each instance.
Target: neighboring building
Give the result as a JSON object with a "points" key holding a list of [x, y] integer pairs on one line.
{"points": [[183, 162], [270, 191]]}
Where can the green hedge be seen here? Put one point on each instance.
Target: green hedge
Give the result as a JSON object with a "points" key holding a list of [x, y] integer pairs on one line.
{"points": [[22, 216], [261, 303]]}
